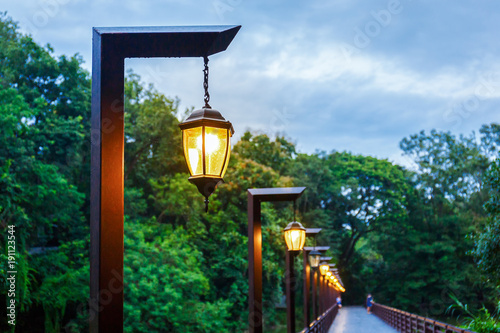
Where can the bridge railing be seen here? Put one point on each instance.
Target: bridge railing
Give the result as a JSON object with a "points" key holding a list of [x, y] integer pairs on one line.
{"points": [[322, 323], [406, 322]]}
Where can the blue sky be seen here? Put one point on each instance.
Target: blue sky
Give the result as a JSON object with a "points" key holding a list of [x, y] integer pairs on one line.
{"points": [[331, 75]]}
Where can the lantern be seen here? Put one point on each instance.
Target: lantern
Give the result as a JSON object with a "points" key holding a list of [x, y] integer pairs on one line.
{"points": [[323, 268], [206, 144], [295, 236], [314, 258]]}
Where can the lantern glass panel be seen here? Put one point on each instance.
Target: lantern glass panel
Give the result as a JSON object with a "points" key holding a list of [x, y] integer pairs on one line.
{"points": [[215, 150], [192, 141], [324, 268], [314, 260], [228, 147]]}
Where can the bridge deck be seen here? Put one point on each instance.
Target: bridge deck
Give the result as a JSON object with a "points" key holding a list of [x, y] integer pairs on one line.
{"points": [[354, 319]]}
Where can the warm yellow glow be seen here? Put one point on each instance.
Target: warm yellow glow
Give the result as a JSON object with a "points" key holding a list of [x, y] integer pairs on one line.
{"points": [[192, 151], [194, 158], [328, 274], [211, 143], [339, 287], [216, 149], [324, 268], [295, 239]]}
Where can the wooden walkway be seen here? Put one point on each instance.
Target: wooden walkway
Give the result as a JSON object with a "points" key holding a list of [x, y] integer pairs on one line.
{"points": [[354, 319]]}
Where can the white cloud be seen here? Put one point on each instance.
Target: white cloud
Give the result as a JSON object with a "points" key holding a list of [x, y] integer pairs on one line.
{"points": [[329, 65]]}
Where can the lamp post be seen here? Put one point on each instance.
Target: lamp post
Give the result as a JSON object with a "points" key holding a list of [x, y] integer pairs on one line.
{"points": [[295, 237], [255, 197], [311, 260], [110, 47], [314, 264], [324, 267]]}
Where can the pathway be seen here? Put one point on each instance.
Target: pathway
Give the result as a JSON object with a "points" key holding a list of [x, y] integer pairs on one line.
{"points": [[354, 319]]}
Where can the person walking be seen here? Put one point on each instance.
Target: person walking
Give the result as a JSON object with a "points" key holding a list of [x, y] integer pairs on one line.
{"points": [[339, 302], [369, 303]]}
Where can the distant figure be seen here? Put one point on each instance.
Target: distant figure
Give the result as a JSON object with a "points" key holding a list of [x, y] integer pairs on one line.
{"points": [[369, 303], [339, 302]]}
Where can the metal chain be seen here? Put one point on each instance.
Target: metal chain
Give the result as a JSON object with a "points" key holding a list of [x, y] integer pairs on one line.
{"points": [[205, 83]]}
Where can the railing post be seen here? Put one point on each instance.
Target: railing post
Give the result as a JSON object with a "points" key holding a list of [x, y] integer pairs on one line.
{"points": [[398, 317]]}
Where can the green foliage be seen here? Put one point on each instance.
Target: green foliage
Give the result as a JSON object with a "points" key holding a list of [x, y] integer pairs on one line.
{"points": [[41, 135], [481, 321], [487, 250], [167, 293]]}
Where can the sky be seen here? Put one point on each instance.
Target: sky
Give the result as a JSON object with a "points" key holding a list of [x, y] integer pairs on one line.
{"points": [[344, 75]]}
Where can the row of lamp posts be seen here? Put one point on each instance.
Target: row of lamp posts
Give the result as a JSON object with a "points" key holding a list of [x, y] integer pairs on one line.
{"points": [[206, 145], [326, 283]]}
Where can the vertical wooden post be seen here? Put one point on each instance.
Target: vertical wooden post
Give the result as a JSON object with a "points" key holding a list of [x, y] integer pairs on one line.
{"points": [[254, 265], [307, 287], [290, 282], [315, 295]]}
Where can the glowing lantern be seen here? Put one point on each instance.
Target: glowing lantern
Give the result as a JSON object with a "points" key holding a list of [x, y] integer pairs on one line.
{"points": [[295, 236], [206, 143], [323, 268]]}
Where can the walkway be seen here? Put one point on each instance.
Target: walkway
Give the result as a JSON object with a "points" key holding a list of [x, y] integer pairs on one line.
{"points": [[354, 319]]}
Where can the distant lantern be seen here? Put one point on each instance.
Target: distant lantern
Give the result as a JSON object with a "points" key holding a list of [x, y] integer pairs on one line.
{"points": [[323, 268], [314, 258], [295, 236]]}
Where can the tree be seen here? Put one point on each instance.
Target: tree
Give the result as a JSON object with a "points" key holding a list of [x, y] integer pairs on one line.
{"points": [[487, 249], [41, 135], [426, 256]]}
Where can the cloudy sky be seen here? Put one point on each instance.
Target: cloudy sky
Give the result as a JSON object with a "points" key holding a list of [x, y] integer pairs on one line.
{"points": [[332, 75]]}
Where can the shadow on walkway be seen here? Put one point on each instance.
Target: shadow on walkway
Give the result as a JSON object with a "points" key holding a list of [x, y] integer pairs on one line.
{"points": [[354, 319]]}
